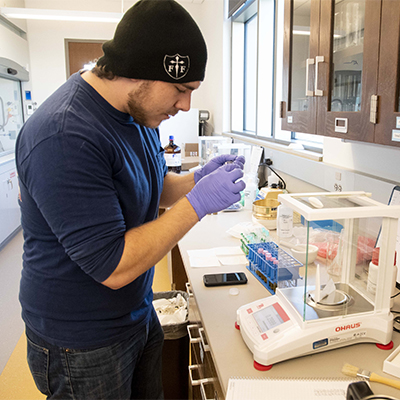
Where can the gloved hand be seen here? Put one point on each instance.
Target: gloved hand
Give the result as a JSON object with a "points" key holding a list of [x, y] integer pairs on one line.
{"points": [[217, 190], [217, 162]]}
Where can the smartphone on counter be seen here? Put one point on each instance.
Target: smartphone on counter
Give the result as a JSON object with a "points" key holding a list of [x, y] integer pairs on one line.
{"points": [[229, 278]]}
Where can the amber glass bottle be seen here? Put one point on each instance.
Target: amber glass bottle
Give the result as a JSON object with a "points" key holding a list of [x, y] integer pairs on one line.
{"points": [[173, 156]]}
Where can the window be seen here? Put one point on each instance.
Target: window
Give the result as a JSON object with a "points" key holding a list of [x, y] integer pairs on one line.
{"points": [[244, 67], [256, 66], [253, 68], [250, 75]]}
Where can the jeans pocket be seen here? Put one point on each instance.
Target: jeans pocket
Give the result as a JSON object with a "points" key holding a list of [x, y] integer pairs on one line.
{"points": [[38, 361]]}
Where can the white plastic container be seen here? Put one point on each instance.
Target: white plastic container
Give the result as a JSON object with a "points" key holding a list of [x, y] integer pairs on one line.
{"points": [[284, 222], [251, 191], [373, 275]]}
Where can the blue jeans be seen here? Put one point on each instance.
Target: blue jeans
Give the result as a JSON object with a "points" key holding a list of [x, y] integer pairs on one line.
{"points": [[130, 369]]}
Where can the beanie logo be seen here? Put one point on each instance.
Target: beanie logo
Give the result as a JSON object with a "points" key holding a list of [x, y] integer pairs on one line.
{"points": [[176, 66]]}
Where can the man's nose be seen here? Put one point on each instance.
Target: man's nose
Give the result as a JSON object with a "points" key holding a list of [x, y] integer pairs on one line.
{"points": [[184, 101]]}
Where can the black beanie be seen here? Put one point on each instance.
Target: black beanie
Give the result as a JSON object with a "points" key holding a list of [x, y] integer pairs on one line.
{"points": [[156, 40]]}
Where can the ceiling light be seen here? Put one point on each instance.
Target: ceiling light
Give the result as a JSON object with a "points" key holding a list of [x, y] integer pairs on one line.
{"points": [[60, 15]]}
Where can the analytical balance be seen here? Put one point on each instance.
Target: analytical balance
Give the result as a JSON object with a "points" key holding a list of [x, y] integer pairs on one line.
{"points": [[323, 305]]}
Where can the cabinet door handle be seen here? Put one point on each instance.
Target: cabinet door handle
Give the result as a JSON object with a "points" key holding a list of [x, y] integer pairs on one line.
{"points": [[197, 382], [192, 339], [309, 61], [194, 382], [203, 391], [318, 59], [189, 289], [373, 109], [206, 347]]}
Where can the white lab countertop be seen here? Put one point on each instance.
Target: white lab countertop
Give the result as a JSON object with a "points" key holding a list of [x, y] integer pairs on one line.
{"points": [[217, 309]]}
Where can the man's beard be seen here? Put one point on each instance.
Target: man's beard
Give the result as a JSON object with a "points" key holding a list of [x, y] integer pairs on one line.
{"points": [[136, 100]]}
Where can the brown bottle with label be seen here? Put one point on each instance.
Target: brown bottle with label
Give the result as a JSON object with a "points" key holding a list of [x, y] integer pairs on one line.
{"points": [[173, 156]]}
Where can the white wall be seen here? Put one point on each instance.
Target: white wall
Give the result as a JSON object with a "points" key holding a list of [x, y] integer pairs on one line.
{"points": [[13, 46], [372, 159], [209, 17], [46, 45], [184, 127]]}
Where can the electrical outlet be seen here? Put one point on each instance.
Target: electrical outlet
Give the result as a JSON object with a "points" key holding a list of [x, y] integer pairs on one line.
{"points": [[337, 187]]}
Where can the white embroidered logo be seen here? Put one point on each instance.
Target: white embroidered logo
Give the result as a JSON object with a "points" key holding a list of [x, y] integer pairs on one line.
{"points": [[176, 66]]}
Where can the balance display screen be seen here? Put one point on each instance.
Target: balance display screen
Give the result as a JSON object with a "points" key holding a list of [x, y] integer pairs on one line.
{"points": [[268, 318]]}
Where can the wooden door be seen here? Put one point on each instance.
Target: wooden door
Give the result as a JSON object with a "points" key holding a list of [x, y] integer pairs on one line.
{"points": [[387, 130], [80, 53], [349, 43], [301, 25]]}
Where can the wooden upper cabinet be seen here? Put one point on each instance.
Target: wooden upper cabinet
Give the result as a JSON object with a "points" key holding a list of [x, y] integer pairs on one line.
{"points": [[341, 78], [387, 130], [349, 42]]}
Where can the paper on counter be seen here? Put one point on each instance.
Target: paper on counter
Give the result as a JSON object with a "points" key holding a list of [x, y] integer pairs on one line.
{"points": [[202, 262], [201, 253], [233, 260], [216, 256], [228, 251]]}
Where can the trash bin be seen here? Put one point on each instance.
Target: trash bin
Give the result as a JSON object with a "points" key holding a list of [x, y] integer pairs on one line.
{"points": [[175, 356]]}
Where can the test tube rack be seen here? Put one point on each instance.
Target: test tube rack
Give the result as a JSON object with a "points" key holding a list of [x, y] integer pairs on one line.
{"points": [[272, 266]]}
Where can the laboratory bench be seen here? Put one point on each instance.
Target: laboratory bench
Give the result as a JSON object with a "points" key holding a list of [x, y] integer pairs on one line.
{"points": [[218, 351]]}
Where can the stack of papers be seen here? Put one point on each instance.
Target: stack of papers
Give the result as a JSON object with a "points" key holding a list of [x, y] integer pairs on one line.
{"points": [[216, 257]]}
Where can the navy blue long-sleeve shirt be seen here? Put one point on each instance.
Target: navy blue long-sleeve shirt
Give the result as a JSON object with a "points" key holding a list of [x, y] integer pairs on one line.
{"points": [[87, 174]]}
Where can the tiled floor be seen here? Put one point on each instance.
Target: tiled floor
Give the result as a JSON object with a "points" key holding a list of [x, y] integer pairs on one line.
{"points": [[16, 382]]}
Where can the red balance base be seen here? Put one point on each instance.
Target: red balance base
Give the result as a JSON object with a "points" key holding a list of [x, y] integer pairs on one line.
{"points": [[260, 367], [388, 346]]}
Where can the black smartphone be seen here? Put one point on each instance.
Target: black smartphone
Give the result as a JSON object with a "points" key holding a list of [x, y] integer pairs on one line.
{"points": [[230, 278]]}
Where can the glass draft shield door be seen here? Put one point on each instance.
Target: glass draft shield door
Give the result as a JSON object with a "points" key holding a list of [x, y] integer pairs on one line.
{"points": [[345, 228], [300, 51]]}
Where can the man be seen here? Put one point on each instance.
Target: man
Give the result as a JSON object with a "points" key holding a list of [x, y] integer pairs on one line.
{"points": [[92, 176]]}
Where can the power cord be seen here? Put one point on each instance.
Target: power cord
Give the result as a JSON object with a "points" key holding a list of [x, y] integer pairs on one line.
{"points": [[267, 163], [395, 295], [396, 320]]}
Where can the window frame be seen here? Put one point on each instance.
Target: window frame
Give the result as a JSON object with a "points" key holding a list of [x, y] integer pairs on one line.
{"points": [[243, 16]]}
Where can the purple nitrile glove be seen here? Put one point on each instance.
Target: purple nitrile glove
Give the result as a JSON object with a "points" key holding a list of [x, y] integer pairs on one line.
{"points": [[217, 162], [239, 161], [217, 190]]}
